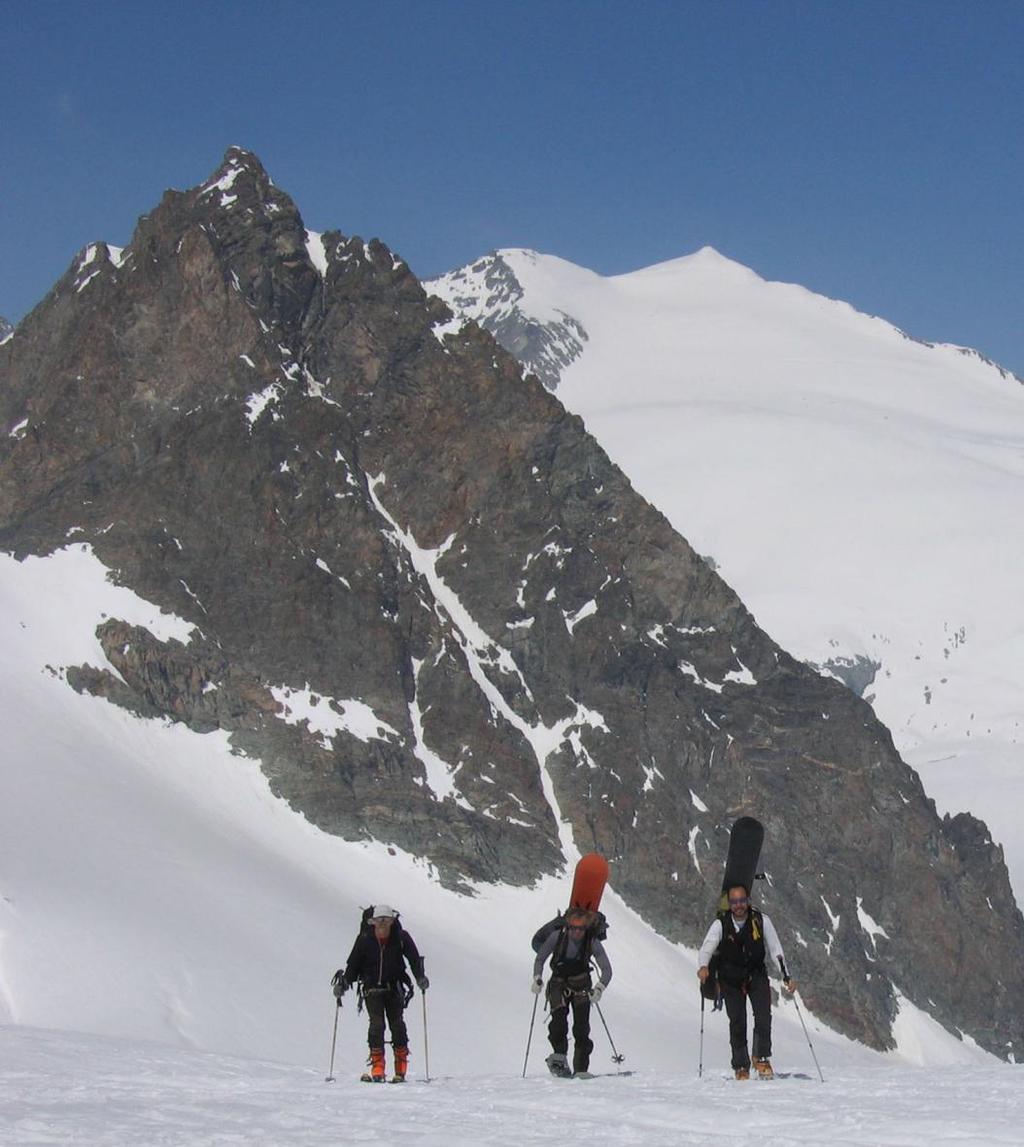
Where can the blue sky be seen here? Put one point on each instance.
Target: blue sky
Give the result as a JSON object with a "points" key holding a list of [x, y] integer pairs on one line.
{"points": [[869, 150]]}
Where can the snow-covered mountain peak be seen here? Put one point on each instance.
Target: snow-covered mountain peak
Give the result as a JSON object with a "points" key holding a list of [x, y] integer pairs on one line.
{"points": [[516, 293], [705, 262], [859, 487]]}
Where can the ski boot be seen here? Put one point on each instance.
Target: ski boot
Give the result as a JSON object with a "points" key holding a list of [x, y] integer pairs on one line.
{"points": [[401, 1064], [743, 1073], [581, 1068], [376, 1062], [763, 1068], [558, 1065]]}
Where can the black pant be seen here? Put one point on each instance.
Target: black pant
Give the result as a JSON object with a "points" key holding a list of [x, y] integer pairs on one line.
{"points": [[756, 989], [387, 1002], [560, 998]]}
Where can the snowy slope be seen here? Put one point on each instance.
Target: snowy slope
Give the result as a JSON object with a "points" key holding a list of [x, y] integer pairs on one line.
{"points": [[105, 1093], [860, 490], [152, 887]]}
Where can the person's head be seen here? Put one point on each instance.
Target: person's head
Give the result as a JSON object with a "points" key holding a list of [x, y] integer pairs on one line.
{"points": [[382, 920], [739, 900], [577, 921]]}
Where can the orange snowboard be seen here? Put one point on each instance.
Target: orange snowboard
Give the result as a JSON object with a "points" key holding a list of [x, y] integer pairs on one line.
{"points": [[588, 882]]}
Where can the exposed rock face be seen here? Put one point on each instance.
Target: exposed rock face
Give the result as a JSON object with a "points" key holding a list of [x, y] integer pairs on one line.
{"points": [[5, 329], [489, 293], [425, 599]]}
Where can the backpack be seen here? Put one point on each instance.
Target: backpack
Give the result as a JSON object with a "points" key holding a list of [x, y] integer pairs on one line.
{"points": [[366, 929], [598, 929]]}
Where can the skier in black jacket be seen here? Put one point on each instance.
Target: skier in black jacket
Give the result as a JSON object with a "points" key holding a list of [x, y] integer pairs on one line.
{"points": [[737, 943], [377, 960], [570, 949]]}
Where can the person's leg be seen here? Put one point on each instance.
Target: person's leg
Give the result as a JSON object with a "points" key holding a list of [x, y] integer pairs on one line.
{"points": [[760, 994], [582, 1044], [375, 1013], [394, 1008], [736, 1009], [558, 1028], [375, 1037]]}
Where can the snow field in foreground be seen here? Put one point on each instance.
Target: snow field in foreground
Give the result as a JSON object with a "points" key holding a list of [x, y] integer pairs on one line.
{"points": [[153, 888], [56, 1088]]}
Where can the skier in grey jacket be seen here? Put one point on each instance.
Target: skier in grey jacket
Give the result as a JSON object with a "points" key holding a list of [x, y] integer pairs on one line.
{"points": [[570, 950]]}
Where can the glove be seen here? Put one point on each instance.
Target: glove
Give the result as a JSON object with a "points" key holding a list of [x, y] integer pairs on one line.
{"points": [[536, 983], [790, 986], [596, 992], [422, 983], [339, 984]]}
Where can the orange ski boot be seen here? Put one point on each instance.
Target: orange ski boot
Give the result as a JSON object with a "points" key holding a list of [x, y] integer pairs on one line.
{"points": [[376, 1062], [401, 1064], [763, 1068]]}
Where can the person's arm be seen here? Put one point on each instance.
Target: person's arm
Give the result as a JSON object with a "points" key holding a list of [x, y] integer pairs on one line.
{"points": [[354, 965], [710, 945], [772, 942], [414, 960], [604, 966], [777, 956], [545, 953]]}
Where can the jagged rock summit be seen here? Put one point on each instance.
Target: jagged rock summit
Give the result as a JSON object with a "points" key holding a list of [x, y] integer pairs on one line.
{"points": [[428, 603]]}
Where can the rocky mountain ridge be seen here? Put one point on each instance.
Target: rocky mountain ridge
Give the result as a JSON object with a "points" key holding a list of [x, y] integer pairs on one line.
{"points": [[857, 487], [437, 614]]}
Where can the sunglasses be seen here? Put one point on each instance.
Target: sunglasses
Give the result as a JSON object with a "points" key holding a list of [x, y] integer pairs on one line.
{"points": [[739, 900], [577, 927]]}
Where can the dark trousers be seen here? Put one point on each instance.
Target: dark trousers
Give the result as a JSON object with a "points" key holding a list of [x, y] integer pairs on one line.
{"points": [[386, 1003], [560, 999], [759, 993]]}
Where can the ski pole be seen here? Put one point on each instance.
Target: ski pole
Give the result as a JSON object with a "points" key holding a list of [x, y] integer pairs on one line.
{"points": [[809, 1044], [334, 1041], [700, 1058], [616, 1058], [529, 1038], [426, 1042]]}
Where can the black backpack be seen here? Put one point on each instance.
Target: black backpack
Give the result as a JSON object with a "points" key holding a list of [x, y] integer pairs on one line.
{"points": [[366, 929], [597, 930]]}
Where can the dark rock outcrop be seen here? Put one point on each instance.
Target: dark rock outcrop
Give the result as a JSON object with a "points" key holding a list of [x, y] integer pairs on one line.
{"points": [[424, 598]]}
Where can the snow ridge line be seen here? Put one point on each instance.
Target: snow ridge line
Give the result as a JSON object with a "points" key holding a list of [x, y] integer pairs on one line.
{"points": [[542, 739]]}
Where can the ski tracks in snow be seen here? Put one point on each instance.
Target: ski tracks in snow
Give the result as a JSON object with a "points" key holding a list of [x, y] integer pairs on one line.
{"points": [[69, 1088]]}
